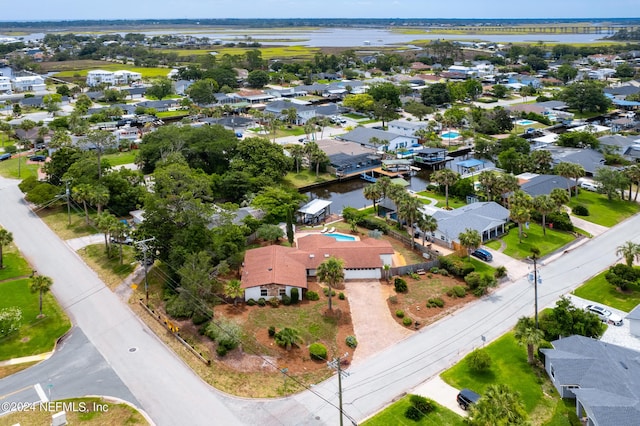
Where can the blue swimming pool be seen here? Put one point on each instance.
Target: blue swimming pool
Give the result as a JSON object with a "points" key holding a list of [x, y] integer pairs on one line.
{"points": [[450, 135], [524, 122], [341, 237]]}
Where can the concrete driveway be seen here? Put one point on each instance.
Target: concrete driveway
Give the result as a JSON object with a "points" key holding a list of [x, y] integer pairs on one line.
{"points": [[373, 325], [442, 393]]}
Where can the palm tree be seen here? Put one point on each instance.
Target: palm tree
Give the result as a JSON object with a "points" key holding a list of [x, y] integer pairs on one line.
{"points": [[409, 210], [544, 204], [520, 204], [40, 284], [82, 193], [499, 405], [106, 222], [489, 181], [99, 196], [633, 174], [629, 250], [234, 290], [426, 223], [559, 196], [446, 177], [527, 333], [577, 171], [297, 152], [565, 170], [287, 337], [6, 238], [373, 193], [470, 239], [506, 183], [331, 272], [384, 183]]}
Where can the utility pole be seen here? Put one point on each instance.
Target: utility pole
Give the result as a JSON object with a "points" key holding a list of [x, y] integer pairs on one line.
{"points": [[336, 364], [535, 279], [68, 194], [142, 244]]}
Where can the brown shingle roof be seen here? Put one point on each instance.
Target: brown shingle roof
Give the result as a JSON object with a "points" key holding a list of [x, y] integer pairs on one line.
{"points": [[272, 265]]}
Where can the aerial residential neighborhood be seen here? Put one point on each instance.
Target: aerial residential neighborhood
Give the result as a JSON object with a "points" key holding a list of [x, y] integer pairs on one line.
{"points": [[308, 228]]}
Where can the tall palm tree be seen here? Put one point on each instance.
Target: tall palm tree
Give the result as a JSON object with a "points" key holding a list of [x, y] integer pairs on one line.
{"points": [[331, 272], [506, 183], [105, 223], [82, 194], [426, 223], [446, 177], [40, 284], [6, 238], [99, 196], [373, 193], [544, 205], [384, 183], [559, 196], [577, 171], [565, 170], [633, 174], [520, 204], [470, 239], [409, 210], [233, 289], [297, 152], [629, 251], [527, 334], [489, 181]]}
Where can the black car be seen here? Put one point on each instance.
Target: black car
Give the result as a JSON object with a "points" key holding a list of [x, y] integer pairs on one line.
{"points": [[466, 398], [38, 158], [482, 254]]}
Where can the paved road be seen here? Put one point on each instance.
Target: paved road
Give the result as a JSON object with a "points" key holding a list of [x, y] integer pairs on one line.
{"points": [[172, 394], [162, 384]]}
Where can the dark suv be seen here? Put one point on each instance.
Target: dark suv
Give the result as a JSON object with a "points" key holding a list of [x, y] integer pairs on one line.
{"points": [[466, 398]]}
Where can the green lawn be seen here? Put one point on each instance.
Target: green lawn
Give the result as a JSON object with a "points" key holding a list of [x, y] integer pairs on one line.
{"points": [[120, 158], [533, 237], [509, 366], [9, 168], [36, 335], [603, 211], [493, 244], [146, 72], [14, 265], [109, 269], [394, 415], [454, 202], [172, 114], [599, 290], [482, 267], [306, 178]]}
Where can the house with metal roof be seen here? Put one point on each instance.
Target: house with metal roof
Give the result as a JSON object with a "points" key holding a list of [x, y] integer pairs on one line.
{"points": [[488, 218], [634, 321], [378, 139], [603, 378]]}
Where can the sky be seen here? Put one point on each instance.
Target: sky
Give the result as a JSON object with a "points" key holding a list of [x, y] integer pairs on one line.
{"points": [[60, 10]]}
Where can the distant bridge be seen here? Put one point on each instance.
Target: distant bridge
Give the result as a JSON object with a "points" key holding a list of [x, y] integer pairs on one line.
{"points": [[541, 29]]}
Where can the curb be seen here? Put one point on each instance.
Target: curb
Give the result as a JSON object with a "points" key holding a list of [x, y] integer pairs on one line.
{"points": [[117, 400]]}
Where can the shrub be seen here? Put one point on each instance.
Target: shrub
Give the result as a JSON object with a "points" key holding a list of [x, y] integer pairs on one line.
{"points": [[561, 220], [221, 350], [415, 276], [226, 333], [177, 307], [351, 341], [393, 299], [501, 271], [200, 317], [412, 413], [312, 295], [10, 320], [373, 224], [435, 302], [28, 184], [479, 360], [580, 210], [400, 313], [325, 290], [251, 302], [457, 291], [286, 300], [444, 272], [295, 296], [274, 302], [424, 405], [400, 285], [407, 321], [341, 296], [455, 265], [272, 330], [473, 280], [318, 351], [434, 270], [262, 301]]}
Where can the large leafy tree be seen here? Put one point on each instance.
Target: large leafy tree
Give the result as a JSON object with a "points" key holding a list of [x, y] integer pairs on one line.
{"points": [[520, 204], [276, 201], [585, 96], [262, 159], [196, 284], [203, 91], [6, 238], [470, 239], [447, 178], [258, 79], [331, 272], [161, 88], [388, 91], [566, 319], [435, 95], [40, 284]]}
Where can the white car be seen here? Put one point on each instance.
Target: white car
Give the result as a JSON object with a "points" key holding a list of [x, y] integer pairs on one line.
{"points": [[604, 314]]}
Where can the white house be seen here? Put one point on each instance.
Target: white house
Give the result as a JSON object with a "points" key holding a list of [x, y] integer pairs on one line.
{"points": [[5, 84], [96, 77], [406, 128], [634, 321], [378, 139], [126, 77], [30, 83]]}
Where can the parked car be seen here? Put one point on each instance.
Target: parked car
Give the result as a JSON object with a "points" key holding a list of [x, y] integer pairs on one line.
{"points": [[604, 314], [482, 254], [589, 186], [38, 157], [466, 398], [5, 156], [124, 240]]}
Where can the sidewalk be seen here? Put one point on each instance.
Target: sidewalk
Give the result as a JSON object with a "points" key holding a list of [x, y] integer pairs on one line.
{"points": [[25, 359]]}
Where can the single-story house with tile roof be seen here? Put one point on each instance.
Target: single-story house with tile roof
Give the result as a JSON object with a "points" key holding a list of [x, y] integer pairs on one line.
{"points": [[388, 141], [634, 321], [273, 271], [603, 378], [488, 218]]}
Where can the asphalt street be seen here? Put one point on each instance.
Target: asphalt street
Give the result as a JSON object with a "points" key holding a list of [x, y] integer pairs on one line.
{"points": [[171, 394]]}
